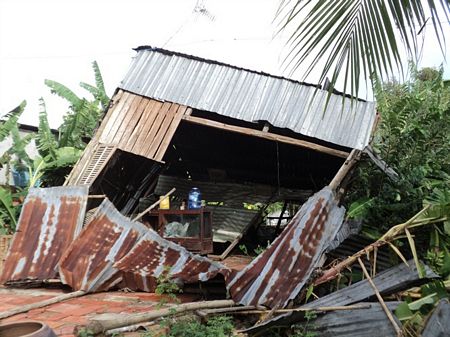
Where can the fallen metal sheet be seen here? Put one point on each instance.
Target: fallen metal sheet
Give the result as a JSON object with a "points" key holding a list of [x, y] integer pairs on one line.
{"points": [[153, 256], [387, 282], [350, 323], [438, 324], [278, 275], [50, 220], [88, 262]]}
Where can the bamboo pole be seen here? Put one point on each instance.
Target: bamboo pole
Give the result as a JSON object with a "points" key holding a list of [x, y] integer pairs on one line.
{"points": [[252, 310], [41, 304], [380, 299], [388, 237], [95, 327]]}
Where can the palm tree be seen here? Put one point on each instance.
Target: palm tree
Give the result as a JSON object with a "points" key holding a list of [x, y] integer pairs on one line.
{"points": [[358, 39]]}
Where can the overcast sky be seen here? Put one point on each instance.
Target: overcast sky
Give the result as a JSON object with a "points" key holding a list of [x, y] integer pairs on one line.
{"points": [[58, 40]]}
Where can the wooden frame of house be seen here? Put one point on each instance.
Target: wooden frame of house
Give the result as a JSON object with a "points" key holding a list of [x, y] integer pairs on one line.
{"points": [[197, 121]]}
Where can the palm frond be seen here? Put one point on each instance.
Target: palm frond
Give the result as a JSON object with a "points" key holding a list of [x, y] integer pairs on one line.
{"points": [[356, 39], [9, 121], [45, 141], [62, 91]]}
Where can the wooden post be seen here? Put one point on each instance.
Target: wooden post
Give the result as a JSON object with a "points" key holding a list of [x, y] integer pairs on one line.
{"points": [[380, 299], [41, 304], [96, 327], [351, 160]]}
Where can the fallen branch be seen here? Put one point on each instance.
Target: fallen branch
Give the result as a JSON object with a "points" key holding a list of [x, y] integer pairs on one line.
{"points": [[41, 304], [95, 326], [387, 238], [380, 299], [280, 311]]}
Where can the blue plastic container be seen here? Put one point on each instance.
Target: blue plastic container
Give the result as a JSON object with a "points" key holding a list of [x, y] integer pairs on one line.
{"points": [[194, 199]]}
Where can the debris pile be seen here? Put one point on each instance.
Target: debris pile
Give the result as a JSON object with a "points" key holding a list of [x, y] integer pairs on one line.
{"points": [[115, 251]]}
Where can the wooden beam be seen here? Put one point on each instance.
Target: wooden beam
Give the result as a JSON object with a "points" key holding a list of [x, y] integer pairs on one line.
{"points": [[265, 135]]}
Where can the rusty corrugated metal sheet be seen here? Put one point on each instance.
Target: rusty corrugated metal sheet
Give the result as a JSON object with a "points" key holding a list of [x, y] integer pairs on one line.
{"points": [[88, 262], [153, 255], [50, 220], [278, 275]]}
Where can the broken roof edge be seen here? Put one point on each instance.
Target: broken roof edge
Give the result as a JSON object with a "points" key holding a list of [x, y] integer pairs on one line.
{"points": [[211, 61]]}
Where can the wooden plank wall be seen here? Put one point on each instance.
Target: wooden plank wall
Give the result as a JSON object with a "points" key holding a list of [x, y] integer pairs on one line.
{"points": [[141, 125]]}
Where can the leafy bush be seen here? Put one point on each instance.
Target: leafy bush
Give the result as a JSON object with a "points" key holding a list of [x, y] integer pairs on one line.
{"points": [[413, 137], [217, 326]]}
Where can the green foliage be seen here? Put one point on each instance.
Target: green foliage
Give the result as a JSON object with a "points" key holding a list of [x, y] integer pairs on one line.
{"points": [[167, 286], [62, 152], [10, 120], [85, 333], [58, 153], [414, 314], [306, 329], [413, 138], [353, 40], [218, 326]]}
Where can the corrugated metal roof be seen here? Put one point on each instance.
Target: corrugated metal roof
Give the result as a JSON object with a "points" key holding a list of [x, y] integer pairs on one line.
{"points": [[153, 256], [248, 95], [50, 220], [88, 262], [278, 275], [387, 282], [356, 323]]}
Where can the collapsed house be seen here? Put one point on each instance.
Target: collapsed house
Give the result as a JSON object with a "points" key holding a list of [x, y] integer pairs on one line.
{"points": [[178, 121], [243, 138], [240, 136]]}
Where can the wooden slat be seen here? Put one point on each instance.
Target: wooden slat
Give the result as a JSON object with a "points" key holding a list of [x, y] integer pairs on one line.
{"points": [[266, 135], [144, 146], [170, 132], [147, 106], [81, 164], [112, 115], [128, 119], [114, 124], [145, 126], [115, 101], [84, 159], [159, 137], [97, 162]]}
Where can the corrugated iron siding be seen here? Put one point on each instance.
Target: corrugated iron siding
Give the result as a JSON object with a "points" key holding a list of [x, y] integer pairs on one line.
{"points": [[88, 262], [141, 125], [50, 220], [387, 282], [250, 96], [153, 256], [277, 275]]}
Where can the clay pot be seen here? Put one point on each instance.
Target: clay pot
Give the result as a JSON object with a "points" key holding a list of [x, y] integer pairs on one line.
{"points": [[26, 329]]}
